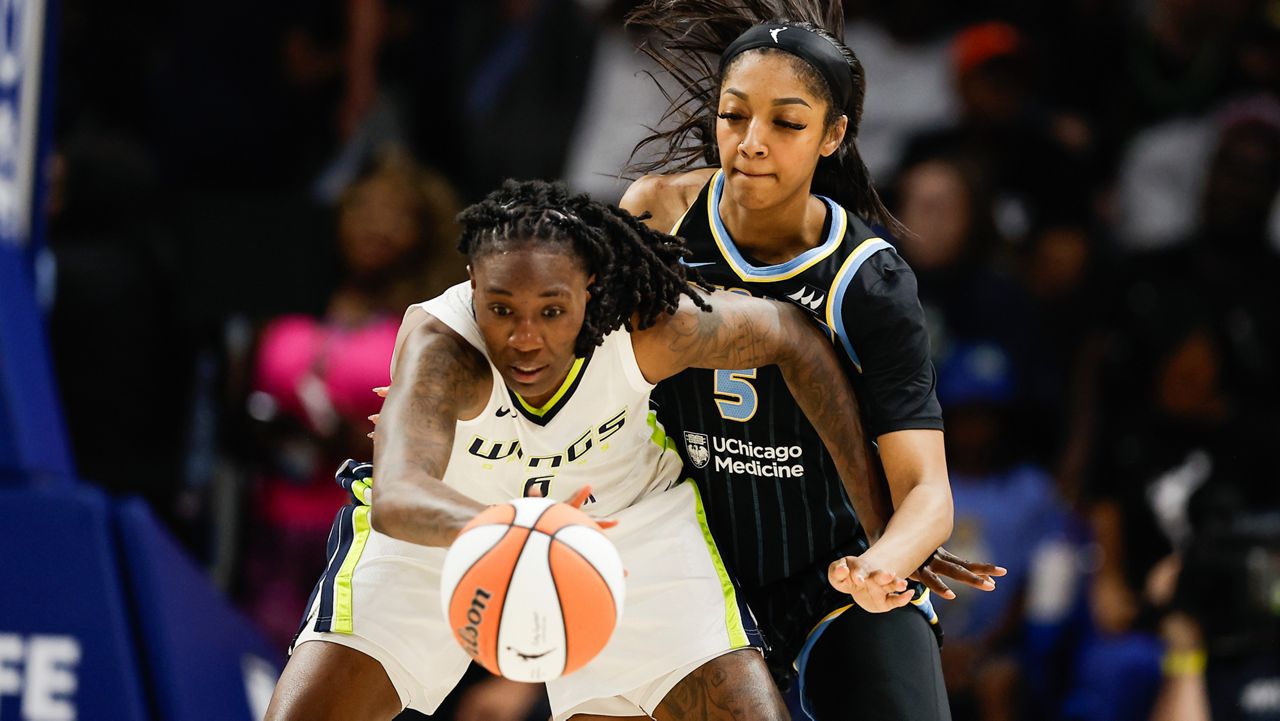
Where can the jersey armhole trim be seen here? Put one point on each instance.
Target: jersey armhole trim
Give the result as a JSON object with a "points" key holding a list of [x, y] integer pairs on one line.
{"points": [[675, 229], [630, 366], [449, 308], [497, 392], [840, 284]]}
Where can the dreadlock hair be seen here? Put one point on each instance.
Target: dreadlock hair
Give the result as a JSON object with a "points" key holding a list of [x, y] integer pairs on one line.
{"points": [[637, 269], [686, 38]]}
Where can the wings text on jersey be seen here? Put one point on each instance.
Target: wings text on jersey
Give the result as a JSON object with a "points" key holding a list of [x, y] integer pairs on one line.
{"points": [[491, 450]]}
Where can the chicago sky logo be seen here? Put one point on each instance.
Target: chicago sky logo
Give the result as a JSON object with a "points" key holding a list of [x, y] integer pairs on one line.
{"points": [[698, 448], [808, 297]]}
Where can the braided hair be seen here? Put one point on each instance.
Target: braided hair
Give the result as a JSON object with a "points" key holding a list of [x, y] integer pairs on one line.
{"points": [[637, 269], [686, 38]]}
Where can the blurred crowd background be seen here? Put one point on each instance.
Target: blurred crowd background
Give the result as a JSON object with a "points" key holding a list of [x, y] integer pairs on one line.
{"points": [[247, 194]]}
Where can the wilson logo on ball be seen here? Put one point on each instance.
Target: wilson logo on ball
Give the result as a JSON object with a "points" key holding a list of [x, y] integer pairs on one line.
{"points": [[532, 588], [470, 634]]}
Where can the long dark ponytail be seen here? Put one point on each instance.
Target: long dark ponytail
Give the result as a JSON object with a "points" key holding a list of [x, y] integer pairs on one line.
{"points": [[686, 38]]}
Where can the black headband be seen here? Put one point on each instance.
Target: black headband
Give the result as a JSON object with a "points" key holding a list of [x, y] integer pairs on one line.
{"points": [[805, 44]]}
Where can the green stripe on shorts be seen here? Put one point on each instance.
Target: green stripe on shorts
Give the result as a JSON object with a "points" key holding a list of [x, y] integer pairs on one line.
{"points": [[732, 617], [342, 611]]}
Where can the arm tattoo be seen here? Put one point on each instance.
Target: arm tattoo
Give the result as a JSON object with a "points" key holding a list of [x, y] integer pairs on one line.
{"points": [[428, 428], [736, 333], [412, 453], [746, 333], [822, 389]]}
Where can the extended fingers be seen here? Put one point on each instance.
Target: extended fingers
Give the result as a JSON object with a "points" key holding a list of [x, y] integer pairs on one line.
{"points": [[935, 584], [977, 567], [868, 587], [841, 576], [580, 497], [898, 600], [876, 599], [963, 575]]}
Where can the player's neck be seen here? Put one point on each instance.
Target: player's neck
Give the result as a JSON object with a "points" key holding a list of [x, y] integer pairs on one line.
{"points": [[779, 233], [542, 399]]}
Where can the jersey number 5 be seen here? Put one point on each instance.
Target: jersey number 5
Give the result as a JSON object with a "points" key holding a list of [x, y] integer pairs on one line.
{"points": [[735, 397]]}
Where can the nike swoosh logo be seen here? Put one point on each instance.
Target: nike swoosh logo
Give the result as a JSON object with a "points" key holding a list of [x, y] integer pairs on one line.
{"points": [[687, 264], [504, 412]]}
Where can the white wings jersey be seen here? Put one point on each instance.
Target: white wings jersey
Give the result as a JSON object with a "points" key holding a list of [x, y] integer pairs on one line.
{"points": [[597, 429]]}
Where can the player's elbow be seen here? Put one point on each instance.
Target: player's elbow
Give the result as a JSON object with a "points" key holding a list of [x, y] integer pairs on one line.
{"points": [[387, 514], [944, 513], [945, 525], [931, 503]]}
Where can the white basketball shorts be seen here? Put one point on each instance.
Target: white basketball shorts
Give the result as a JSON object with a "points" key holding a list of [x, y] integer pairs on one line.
{"points": [[381, 596]]}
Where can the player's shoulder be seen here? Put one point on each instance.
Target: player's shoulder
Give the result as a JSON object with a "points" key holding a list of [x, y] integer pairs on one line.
{"points": [[433, 344], [438, 356], [870, 244], [665, 197], [880, 275]]}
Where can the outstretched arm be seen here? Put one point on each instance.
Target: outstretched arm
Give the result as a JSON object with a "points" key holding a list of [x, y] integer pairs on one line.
{"points": [[743, 332], [737, 332], [438, 379]]}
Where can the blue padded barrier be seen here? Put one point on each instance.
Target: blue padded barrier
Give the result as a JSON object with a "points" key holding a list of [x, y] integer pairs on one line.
{"points": [[203, 658], [66, 650]]}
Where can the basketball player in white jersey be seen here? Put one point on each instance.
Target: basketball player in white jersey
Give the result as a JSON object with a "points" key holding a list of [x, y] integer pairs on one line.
{"points": [[534, 380]]}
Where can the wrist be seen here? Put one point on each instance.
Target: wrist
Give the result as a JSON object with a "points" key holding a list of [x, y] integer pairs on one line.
{"points": [[886, 558], [1184, 662]]}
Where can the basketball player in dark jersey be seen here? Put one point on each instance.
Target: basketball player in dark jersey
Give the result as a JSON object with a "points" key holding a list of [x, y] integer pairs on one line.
{"points": [[776, 112]]}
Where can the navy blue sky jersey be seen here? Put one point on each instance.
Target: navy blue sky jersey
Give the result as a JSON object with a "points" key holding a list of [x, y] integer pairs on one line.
{"points": [[774, 500]]}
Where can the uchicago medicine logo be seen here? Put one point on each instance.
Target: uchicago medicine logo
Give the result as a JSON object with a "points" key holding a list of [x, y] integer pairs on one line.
{"points": [[736, 456], [697, 448]]}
